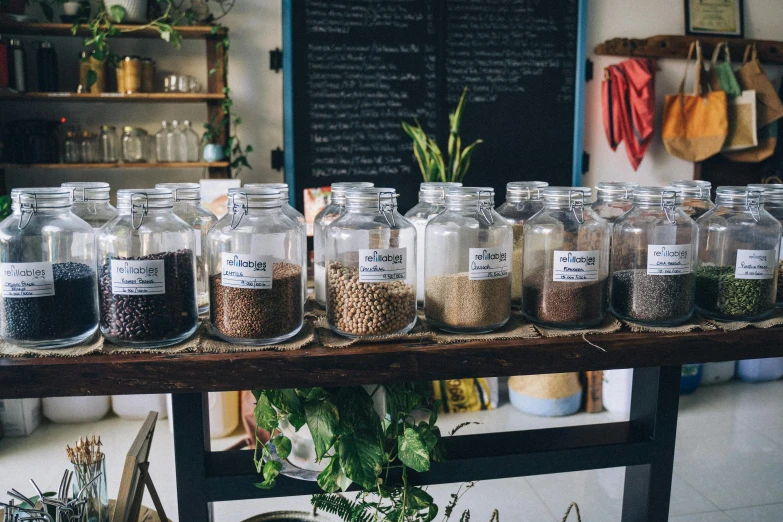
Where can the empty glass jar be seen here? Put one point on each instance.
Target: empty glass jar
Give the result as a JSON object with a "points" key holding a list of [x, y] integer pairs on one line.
{"points": [[109, 144], [613, 199], [739, 241], [147, 272], [693, 197], [566, 262], [654, 250], [134, 145], [523, 201], [91, 202], [47, 273], [432, 201], [255, 267], [772, 199], [323, 219], [371, 267], [467, 264], [188, 207]]}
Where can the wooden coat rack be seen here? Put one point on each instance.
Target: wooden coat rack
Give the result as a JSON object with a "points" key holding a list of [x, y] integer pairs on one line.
{"points": [[676, 46]]}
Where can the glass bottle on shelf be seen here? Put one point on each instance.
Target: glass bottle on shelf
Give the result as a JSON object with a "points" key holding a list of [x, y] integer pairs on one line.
{"points": [[49, 290], [162, 143], [523, 201], [739, 242], [72, 150], [467, 264], [255, 270], [91, 202], [147, 272], [188, 207], [323, 219], [88, 147], [565, 264], [693, 196], [176, 148], [432, 201], [613, 198], [109, 144], [654, 250], [371, 267], [193, 150], [134, 145]]}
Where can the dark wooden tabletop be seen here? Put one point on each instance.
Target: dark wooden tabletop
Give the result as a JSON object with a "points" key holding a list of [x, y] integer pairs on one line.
{"points": [[374, 363]]}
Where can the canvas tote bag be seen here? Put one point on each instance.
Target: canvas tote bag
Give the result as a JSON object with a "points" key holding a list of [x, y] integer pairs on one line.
{"points": [[741, 104], [695, 126], [752, 77]]}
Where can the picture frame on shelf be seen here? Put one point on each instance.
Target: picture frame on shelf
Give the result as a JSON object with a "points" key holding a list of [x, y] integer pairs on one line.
{"points": [[715, 18]]}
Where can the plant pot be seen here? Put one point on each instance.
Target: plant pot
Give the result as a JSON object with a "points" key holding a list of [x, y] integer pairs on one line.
{"points": [[213, 152], [135, 10], [290, 516], [71, 8]]}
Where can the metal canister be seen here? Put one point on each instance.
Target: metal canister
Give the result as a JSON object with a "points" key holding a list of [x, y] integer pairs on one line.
{"points": [[3, 62], [47, 68], [147, 75], [16, 65], [131, 71]]}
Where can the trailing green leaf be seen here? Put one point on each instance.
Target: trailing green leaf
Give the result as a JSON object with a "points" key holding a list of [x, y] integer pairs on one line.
{"points": [[347, 510], [361, 458], [332, 478], [265, 414], [413, 453], [322, 418]]}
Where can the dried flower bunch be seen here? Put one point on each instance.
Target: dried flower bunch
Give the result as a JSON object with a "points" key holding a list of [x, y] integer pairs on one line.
{"points": [[86, 451]]}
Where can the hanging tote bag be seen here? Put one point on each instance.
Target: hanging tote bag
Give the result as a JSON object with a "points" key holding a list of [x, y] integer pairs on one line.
{"points": [[752, 77], [722, 75], [695, 126], [741, 105]]}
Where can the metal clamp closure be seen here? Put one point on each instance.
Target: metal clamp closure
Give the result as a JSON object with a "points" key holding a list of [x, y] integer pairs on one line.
{"points": [[386, 208], [484, 205], [577, 204], [138, 208], [29, 209], [238, 209], [668, 202], [753, 203]]}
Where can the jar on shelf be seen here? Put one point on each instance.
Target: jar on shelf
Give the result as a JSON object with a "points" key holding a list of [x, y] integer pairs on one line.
{"points": [[739, 242], [88, 147], [91, 202], [654, 250], [131, 75], [772, 199], [47, 275], [613, 199], [255, 270], [467, 264], [147, 75], [109, 144], [134, 145], [523, 201], [565, 266], [188, 207], [323, 219], [371, 267], [147, 272], [693, 197], [72, 149]]}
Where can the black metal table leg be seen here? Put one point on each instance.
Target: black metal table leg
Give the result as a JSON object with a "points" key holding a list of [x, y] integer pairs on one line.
{"points": [[654, 407], [191, 445]]}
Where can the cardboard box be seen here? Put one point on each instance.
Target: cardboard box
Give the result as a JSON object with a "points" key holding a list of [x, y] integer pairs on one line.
{"points": [[20, 417]]}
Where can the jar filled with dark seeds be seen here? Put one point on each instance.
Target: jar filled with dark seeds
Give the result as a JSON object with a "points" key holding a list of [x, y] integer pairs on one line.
{"points": [[91, 202], [693, 196], [188, 207], [371, 267], [566, 262], [772, 199], [738, 261], [47, 277], [654, 248], [147, 272], [255, 266]]}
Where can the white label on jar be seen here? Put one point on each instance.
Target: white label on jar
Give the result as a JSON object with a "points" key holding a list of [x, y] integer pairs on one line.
{"points": [[488, 263], [138, 277], [197, 236], [27, 279], [574, 266], [378, 265], [755, 264], [246, 271], [668, 259]]}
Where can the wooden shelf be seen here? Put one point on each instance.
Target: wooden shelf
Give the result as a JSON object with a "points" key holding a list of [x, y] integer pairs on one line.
{"points": [[676, 46], [66, 166], [111, 97], [373, 363], [127, 30]]}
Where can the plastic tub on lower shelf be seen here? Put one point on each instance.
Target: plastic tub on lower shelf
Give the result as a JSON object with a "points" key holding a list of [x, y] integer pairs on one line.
{"points": [[74, 410], [136, 407], [760, 370]]}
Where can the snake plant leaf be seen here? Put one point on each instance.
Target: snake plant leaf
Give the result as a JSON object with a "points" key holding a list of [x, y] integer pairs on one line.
{"points": [[465, 159]]}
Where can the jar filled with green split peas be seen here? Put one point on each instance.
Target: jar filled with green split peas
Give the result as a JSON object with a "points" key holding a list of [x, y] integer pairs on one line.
{"points": [[613, 199], [467, 264], [323, 219], [654, 249], [523, 201], [772, 199], [432, 201], [693, 197], [565, 266], [188, 207], [739, 241], [371, 267], [91, 202]]}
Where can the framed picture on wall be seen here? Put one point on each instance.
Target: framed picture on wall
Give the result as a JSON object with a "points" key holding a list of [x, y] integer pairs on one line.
{"points": [[714, 18]]}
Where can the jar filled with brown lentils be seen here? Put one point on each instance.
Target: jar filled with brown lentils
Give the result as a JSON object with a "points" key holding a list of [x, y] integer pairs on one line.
{"points": [[255, 270], [371, 267]]}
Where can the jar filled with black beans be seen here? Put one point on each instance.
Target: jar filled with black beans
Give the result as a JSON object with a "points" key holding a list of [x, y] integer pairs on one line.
{"points": [[147, 272], [47, 273], [255, 270], [91, 202]]}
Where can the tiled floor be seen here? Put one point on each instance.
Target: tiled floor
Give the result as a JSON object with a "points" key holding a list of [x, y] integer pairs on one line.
{"points": [[728, 464]]}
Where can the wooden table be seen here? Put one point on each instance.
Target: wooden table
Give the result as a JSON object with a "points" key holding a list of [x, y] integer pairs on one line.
{"points": [[644, 444]]}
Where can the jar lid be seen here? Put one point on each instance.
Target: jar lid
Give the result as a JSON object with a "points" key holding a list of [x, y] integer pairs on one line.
{"points": [[88, 190], [253, 197], [340, 188], [182, 191], [108, 128], [692, 188], [147, 197], [738, 195], [616, 189], [130, 58], [372, 196], [525, 190], [45, 45], [558, 194], [769, 191], [281, 188], [468, 194], [654, 194], [135, 131], [148, 60], [41, 197]]}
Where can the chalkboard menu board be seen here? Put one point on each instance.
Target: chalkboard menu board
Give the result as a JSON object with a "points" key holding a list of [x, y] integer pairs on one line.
{"points": [[355, 69]]}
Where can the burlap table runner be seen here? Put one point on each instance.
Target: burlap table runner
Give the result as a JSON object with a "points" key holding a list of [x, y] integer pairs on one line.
{"points": [[696, 322], [609, 325], [93, 345], [515, 328], [211, 344], [733, 326], [421, 331], [190, 345], [312, 308]]}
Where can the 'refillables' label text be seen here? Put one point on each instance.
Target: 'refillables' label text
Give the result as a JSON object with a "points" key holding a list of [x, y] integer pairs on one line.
{"points": [[575, 266], [246, 271], [487, 263], [27, 279], [668, 259], [138, 277], [379, 265], [756, 264]]}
